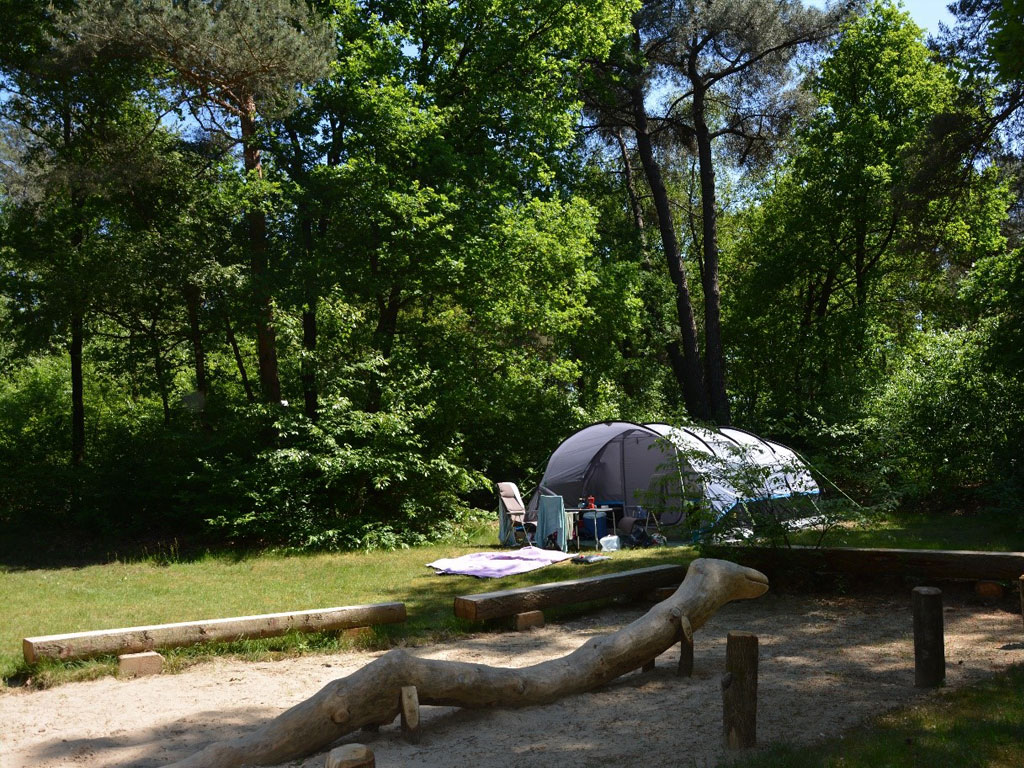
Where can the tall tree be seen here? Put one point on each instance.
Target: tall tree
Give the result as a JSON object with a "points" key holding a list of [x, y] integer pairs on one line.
{"points": [[65, 119], [234, 62], [862, 253], [729, 69]]}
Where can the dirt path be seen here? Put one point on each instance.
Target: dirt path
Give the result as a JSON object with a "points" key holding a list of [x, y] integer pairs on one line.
{"points": [[826, 664]]}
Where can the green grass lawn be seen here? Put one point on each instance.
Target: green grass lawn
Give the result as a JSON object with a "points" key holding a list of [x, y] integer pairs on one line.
{"points": [[42, 601], [977, 727]]}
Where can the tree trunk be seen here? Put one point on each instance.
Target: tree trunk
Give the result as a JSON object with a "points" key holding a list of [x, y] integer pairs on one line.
{"points": [[714, 356], [266, 343], [372, 695], [384, 334], [634, 198], [860, 269], [690, 378], [160, 371], [239, 362], [309, 327], [307, 365], [651, 303], [193, 297], [77, 389], [309, 392]]}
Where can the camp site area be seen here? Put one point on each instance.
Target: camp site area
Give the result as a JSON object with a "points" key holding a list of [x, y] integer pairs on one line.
{"points": [[827, 664], [536, 383]]}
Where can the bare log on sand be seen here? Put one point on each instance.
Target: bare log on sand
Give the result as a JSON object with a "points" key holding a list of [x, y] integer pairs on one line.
{"points": [[372, 695]]}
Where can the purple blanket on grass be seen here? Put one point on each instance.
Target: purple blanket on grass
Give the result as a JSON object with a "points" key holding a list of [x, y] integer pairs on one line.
{"points": [[494, 565]]}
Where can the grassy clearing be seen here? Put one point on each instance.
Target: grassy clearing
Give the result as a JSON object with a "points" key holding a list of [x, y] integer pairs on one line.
{"points": [[977, 727], [165, 586], [42, 601]]}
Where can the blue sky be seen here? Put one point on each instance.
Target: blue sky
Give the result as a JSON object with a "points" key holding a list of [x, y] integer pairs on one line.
{"points": [[927, 13]]}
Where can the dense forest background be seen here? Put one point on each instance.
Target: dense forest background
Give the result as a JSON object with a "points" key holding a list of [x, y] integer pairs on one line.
{"points": [[316, 274]]}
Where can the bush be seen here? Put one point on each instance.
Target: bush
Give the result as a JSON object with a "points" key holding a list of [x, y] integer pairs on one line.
{"points": [[946, 420], [352, 479]]}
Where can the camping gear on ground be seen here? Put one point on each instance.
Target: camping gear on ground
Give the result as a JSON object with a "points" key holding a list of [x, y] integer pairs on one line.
{"points": [[593, 524], [660, 473], [610, 543], [553, 524], [515, 523], [588, 559], [494, 565], [639, 538]]}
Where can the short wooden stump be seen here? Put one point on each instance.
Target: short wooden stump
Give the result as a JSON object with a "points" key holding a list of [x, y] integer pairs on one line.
{"points": [[989, 590], [527, 620], [351, 756], [409, 703], [140, 664]]}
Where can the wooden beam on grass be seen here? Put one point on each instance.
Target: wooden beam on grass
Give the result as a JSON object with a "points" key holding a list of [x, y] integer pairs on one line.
{"points": [[81, 645], [492, 605]]}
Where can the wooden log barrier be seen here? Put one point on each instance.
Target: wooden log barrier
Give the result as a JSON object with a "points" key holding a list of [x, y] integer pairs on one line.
{"points": [[492, 605], [922, 563], [80, 645], [929, 644], [739, 691]]}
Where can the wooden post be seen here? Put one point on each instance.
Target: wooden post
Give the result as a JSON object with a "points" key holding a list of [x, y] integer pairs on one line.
{"points": [[351, 756], [929, 645], [1020, 585], [410, 702], [685, 653], [739, 691]]}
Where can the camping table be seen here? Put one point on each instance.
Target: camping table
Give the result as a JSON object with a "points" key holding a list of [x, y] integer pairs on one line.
{"points": [[576, 512]]}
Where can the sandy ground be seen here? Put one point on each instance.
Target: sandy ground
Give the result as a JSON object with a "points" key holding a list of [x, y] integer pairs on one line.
{"points": [[826, 664]]}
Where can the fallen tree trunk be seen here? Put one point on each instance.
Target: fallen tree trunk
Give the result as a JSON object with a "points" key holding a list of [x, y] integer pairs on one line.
{"points": [[371, 695]]}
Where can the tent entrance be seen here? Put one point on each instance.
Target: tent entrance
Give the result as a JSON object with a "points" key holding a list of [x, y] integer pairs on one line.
{"points": [[638, 468]]}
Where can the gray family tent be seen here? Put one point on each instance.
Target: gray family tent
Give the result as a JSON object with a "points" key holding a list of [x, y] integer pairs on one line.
{"points": [[659, 467]]}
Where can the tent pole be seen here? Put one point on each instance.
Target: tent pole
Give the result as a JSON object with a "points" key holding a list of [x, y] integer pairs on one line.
{"points": [[622, 462]]}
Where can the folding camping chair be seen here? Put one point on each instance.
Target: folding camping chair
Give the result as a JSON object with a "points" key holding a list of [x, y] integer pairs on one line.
{"points": [[512, 531]]}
